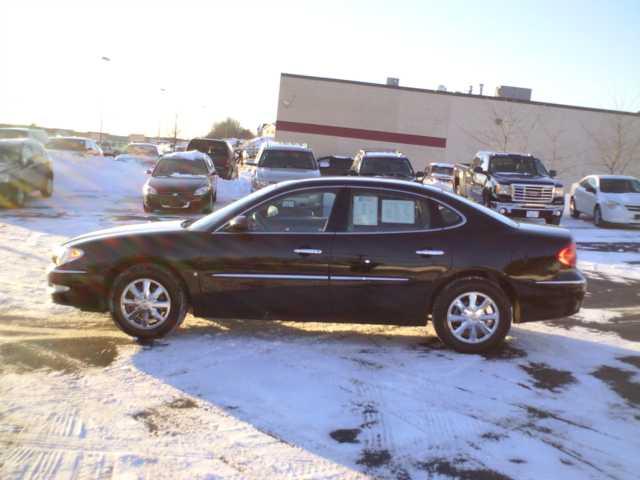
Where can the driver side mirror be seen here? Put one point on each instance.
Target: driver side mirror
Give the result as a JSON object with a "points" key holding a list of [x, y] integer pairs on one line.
{"points": [[148, 171], [239, 224], [478, 170], [590, 189], [420, 176], [552, 173], [324, 164]]}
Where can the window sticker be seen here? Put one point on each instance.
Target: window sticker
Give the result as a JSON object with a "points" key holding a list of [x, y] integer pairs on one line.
{"points": [[399, 211], [365, 210]]}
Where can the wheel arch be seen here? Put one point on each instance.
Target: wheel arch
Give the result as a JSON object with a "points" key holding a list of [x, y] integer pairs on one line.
{"points": [[494, 276]]}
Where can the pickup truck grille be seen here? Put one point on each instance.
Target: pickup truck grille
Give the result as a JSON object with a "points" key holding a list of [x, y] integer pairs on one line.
{"points": [[523, 193], [633, 208]]}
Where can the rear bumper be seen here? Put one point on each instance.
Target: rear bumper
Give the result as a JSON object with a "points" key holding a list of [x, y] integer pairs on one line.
{"points": [[557, 297], [77, 288]]}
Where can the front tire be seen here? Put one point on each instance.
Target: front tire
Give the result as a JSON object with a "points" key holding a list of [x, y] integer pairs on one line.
{"points": [[572, 208], [147, 301], [597, 217], [47, 188], [18, 198], [472, 315]]}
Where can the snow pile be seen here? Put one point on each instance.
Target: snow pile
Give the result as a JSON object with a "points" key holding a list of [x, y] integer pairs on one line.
{"points": [[229, 190], [75, 173]]}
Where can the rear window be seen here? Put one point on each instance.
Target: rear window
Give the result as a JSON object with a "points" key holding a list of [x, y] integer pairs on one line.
{"points": [[442, 170], [72, 144], [296, 159], [10, 152], [211, 148], [386, 166]]}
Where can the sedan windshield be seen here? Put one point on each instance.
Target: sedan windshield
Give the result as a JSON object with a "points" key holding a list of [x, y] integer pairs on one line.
{"points": [[10, 152], [442, 170], [517, 164], [288, 159], [619, 185], [392, 166], [176, 167]]}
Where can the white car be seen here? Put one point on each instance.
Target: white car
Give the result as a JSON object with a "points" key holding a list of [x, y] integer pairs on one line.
{"points": [[607, 198], [278, 162], [439, 175]]}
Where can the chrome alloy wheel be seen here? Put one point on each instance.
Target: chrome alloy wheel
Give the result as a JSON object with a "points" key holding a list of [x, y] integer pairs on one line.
{"points": [[145, 303], [473, 317]]}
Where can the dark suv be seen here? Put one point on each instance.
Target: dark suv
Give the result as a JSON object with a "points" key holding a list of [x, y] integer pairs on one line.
{"points": [[221, 152], [25, 167], [389, 164]]}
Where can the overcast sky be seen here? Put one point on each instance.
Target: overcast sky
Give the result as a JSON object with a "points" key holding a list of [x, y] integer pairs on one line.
{"points": [[225, 59]]}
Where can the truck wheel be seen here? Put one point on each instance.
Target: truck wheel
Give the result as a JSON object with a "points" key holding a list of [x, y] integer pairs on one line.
{"points": [[572, 208], [472, 315], [147, 301]]}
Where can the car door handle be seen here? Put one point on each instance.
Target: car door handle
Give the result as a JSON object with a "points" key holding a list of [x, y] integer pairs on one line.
{"points": [[429, 253], [307, 251]]}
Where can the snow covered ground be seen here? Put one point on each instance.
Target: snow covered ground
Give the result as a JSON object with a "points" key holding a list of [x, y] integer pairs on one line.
{"points": [[234, 399]]}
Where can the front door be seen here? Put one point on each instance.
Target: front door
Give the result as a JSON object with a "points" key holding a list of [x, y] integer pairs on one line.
{"points": [[391, 252], [279, 268]]}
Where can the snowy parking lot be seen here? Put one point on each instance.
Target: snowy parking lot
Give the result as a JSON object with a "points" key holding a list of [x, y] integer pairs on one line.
{"points": [[237, 399]]}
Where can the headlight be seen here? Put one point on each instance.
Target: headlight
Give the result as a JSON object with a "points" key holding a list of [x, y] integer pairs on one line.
{"points": [[202, 191], [149, 190], [64, 255], [558, 191], [612, 203], [503, 189]]}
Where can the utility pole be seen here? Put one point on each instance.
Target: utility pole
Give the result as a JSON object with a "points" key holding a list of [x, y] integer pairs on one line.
{"points": [[175, 132], [104, 59]]}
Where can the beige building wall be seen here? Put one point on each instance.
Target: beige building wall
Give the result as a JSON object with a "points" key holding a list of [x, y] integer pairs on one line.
{"points": [[571, 140]]}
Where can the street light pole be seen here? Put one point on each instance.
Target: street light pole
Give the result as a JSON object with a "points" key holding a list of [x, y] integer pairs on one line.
{"points": [[104, 59]]}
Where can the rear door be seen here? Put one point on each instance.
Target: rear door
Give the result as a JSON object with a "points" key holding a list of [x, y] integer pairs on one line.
{"points": [[279, 269], [392, 251]]}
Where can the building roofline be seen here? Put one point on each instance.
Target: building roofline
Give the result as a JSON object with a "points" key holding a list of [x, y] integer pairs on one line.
{"points": [[466, 95]]}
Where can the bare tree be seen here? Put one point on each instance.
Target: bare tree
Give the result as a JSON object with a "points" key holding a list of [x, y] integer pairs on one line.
{"points": [[506, 130], [617, 142]]}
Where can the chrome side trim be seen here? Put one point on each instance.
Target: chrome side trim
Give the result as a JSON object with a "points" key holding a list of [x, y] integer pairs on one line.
{"points": [[307, 251], [429, 253], [77, 272], [364, 278], [562, 282], [270, 276]]}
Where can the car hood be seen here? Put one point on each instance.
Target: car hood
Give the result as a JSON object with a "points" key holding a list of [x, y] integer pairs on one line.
{"points": [[184, 184], [137, 229], [509, 178], [624, 198], [274, 175]]}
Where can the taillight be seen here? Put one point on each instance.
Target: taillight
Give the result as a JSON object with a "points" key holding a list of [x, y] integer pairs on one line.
{"points": [[567, 256]]}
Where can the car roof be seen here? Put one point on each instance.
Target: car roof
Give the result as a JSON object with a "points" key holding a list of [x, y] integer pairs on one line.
{"points": [[492, 153], [342, 157], [60, 137], [359, 182], [142, 144], [382, 153], [286, 146], [614, 177], [440, 164], [16, 140], [191, 155]]}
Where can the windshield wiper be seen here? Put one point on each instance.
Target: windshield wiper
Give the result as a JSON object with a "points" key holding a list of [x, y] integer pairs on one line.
{"points": [[185, 223]]}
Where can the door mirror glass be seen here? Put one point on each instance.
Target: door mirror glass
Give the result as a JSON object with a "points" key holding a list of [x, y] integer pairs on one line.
{"points": [[148, 171], [552, 173], [420, 176], [239, 224], [478, 170]]}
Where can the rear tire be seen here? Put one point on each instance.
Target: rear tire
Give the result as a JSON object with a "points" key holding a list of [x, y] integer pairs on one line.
{"points": [[158, 320], [455, 319], [572, 208]]}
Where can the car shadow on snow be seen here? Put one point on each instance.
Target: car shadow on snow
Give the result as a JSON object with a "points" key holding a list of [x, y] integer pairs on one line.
{"points": [[393, 402]]}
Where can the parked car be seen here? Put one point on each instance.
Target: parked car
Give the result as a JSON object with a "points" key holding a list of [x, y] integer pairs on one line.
{"points": [[439, 175], [335, 165], [108, 149], [81, 145], [513, 184], [335, 249], [25, 167], [609, 199], [221, 152], [181, 181], [386, 164], [145, 153], [19, 132], [277, 162]]}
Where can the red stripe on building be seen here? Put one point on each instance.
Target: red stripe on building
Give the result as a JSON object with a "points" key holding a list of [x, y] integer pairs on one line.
{"points": [[376, 135]]}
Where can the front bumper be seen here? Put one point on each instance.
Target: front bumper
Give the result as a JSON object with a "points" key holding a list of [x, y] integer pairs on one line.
{"points": [[621, 215], [521, 210], [546, 299], [77, 288], [176, 202]]}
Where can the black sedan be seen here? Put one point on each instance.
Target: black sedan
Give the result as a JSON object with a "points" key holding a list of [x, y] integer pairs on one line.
{"points": [[337, 249], [181, 181]]}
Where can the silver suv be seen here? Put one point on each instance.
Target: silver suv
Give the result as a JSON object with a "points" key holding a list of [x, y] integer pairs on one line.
{"points": [[277, 162]]}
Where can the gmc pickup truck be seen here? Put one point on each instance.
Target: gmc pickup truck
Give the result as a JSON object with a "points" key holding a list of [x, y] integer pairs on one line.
{"points": [[513, 184]]}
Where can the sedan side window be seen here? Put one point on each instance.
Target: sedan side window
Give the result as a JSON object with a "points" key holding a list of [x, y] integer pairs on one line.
{"points": [[372, 211], [300, 212]]}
